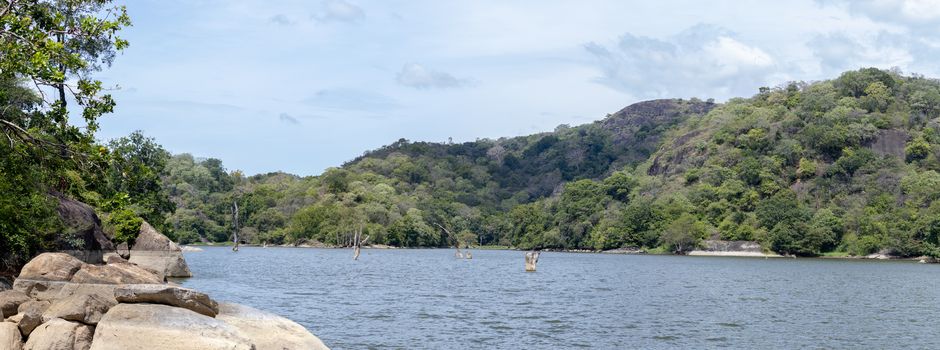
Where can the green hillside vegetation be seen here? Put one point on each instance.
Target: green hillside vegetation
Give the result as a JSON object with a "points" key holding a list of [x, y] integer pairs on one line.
{"points": [[847, 165]]}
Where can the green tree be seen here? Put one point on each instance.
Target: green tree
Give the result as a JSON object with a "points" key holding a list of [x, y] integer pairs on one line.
{"points": [[683, 234], [57, 46]]}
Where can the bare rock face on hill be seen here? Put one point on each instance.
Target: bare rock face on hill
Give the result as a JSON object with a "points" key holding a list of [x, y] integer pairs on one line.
{"points": [[155, 251]]}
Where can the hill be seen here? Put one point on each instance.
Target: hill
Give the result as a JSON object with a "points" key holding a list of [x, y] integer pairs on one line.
{"points": [[846, 165]]}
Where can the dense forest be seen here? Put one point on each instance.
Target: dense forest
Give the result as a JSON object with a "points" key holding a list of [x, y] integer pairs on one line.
{"points": [[847, 166]]}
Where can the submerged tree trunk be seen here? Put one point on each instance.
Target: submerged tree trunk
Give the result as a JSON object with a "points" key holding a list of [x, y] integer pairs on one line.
{"points": [[531, 258], [458, 254], [358, 241], [235, 223]]}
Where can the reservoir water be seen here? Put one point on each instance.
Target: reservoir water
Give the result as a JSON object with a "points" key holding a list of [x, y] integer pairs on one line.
{"points": [[425, 298]]}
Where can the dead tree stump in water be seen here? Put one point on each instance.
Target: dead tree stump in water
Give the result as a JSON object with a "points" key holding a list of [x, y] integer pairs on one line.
{"points": [[235, 224], [531, 258], [358, 241]]}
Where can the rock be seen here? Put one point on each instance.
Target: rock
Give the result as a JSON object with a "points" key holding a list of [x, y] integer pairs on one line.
{"points": [[15, 318], [82, 223], [10, 300], [267, 330], [49, 290], [50, 267], [84, 308], [123, 250], [118, 273], [31, 315], [168, 295], [59, 334], [113, 258], [10, 338], [155, 251], [150, 326], [41, 290]]}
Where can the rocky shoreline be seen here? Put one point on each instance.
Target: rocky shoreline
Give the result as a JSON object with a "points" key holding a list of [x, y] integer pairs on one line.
{"points": [[124, 302]]}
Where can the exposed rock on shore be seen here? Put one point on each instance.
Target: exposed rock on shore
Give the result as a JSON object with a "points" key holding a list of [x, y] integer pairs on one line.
{"points": [[150, 326], [731, 248], [267, 330], [60, 302], [155, 251]]}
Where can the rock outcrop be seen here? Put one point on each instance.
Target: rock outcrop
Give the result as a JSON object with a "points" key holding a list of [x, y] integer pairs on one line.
{"points": [[10, 301], [83, 224], [151, 326], [10, 337], [51, 267], [267, 330], [59, 334], [60, 302], [84, 308], [118, 273], [168, 295], [30, 315], [155, 251]]}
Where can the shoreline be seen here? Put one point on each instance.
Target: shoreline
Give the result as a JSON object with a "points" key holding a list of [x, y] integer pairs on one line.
{"points": [[620, 251]]}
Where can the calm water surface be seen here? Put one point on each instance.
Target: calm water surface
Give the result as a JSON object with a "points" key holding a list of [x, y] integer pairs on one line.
{"points": [[428, 299]]}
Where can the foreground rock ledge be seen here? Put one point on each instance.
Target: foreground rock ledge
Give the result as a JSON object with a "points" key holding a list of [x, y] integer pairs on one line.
{"points": [[62, 303], [267, 330]]}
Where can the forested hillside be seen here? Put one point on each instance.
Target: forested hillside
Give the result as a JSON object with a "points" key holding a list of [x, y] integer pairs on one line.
{"points": [[847, 166]]}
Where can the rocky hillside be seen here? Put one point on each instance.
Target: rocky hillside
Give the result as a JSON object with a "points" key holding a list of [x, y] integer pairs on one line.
{"points": [[845, 166]]}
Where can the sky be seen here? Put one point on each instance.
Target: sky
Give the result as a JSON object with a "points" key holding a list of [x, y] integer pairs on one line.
{"points": [[300, 86]]}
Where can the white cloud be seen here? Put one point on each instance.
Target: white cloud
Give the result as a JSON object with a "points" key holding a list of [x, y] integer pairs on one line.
{"points": [[841, 51], [339, 11], [417, 76], [702, 61]]}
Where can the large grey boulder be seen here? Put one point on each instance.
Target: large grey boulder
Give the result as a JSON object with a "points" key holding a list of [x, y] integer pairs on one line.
{"points": [[10, 338], [30, 315], [115, 273], [168, 295], [59, 334], [82, 224], [84, 308], [155, 251], [267, 330], [10, 300], [151, 326], [50, 267]]}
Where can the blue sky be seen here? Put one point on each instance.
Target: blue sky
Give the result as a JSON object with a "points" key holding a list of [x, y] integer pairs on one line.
{"points": [[300, 86]]}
